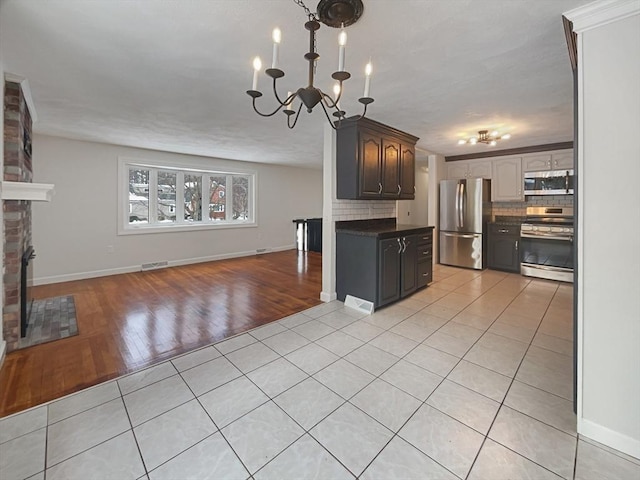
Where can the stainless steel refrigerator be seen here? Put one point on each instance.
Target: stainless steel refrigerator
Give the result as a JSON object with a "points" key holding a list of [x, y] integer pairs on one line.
{"points": [[465, 209]]}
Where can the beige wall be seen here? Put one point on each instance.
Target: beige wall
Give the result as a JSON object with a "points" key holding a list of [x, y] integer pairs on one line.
{"points": [[72, 232]]}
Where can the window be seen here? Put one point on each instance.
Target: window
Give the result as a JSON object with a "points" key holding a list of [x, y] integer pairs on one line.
{"points": [[157, 198]]}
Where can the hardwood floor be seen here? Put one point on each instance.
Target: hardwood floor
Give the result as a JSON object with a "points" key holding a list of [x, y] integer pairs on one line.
{"points": [[127, 322]]}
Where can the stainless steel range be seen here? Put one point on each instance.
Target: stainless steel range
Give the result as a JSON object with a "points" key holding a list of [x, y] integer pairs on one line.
{"points": [[546, 240]]}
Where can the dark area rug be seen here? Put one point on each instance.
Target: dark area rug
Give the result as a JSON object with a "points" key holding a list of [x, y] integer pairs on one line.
{"points": [[51, 319]]}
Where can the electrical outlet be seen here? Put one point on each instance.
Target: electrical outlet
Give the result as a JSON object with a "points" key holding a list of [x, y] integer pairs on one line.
{"points": [[110, 249]]}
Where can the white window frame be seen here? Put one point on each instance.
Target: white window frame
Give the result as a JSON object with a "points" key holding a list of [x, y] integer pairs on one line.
{"points": [[126, 228]]}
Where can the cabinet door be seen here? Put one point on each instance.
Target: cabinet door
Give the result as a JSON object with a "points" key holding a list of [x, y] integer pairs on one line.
{"points": [[537, 163], [408, 172], [561, 161], [370, 164], [479, 169], [409, 265], [504, 253], [457, 170], [390, 169], [507, 180], [389, 270]]}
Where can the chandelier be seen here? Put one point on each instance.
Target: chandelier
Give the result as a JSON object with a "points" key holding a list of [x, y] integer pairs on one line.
{"points": [[485, 137], [334, 13]]}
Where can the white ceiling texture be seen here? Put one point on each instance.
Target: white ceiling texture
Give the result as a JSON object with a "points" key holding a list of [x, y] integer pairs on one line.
{"points": [[172, 74]]}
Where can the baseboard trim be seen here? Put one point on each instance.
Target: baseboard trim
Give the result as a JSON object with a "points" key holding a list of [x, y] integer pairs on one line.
{"points": [[328, 296], [136, 268], [610, 438]]}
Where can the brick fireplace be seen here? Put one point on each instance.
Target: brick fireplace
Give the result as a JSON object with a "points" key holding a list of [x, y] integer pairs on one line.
{"points": [[17, 213]]}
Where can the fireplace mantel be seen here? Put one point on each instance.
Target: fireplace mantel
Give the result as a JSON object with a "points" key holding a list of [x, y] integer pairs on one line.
{"points": [[38, 192]]}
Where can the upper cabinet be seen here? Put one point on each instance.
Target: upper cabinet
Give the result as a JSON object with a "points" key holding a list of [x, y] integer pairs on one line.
{"points": [[507, 172], [469, 169], [548, 161], [374, 161], [506, 184]]}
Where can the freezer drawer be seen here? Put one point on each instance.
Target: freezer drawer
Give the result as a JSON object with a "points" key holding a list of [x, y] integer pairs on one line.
{"points": [[462, 250]]}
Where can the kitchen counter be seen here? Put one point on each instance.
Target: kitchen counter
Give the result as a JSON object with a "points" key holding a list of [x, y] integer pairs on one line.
{"points": [[380, 228]]}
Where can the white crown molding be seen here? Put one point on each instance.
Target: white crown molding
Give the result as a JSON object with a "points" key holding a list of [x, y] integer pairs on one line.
{"points": [[26, 92], [602, 12], [38, 192]]}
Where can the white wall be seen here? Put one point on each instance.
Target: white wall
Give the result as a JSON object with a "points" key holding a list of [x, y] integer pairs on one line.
{"points": [[72, 232], [609, 228], [415, 212], [437, 172]]}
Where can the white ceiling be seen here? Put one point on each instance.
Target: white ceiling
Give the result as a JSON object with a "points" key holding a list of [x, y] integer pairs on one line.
{"points": [[172, 75]]}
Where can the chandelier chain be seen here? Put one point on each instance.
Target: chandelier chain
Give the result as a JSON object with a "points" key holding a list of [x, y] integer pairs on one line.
{"points": [[312, 16]]}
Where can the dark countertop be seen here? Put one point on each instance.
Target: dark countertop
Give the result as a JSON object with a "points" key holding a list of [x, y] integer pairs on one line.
{"points": [[382, 228]]}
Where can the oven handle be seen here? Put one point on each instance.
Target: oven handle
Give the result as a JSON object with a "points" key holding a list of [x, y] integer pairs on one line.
{"points": [[547, 236]]}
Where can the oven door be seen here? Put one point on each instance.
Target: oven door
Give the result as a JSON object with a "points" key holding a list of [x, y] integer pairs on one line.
{"points": [[547, 255]]}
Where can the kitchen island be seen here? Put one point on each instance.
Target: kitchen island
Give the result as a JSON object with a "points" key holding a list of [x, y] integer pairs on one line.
{"points": [[382, 261]]}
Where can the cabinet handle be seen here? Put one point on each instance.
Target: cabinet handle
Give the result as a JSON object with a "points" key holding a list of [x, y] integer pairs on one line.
{"points": [[414, 189], [404, 245], [399, 189], [516, 245], [503, 230], [555, 162], [425, 274], [425, 253], [379, 188], [399, 245]]}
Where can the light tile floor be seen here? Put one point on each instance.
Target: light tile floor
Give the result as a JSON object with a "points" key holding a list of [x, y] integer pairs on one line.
{"points": [[468, 379]]}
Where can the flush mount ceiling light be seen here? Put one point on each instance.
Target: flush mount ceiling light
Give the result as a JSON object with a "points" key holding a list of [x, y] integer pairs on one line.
{"points": [[485, 137], [334, 13]]}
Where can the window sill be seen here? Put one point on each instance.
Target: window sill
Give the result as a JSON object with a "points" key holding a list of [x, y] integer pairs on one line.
{"points": [[145, 229]]}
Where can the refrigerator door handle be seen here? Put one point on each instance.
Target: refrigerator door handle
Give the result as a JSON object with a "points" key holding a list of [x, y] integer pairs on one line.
{"points": [[461, 210], [457, 203], [458, 235]]}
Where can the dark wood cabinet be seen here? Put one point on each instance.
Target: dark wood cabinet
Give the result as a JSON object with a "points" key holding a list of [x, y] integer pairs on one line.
{"points": [[503, 247], [425, 259], [374, 161], [382, 270], [388, 270]]}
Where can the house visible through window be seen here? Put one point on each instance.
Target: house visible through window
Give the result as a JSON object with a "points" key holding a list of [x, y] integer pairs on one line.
{"points": [[163, 196]]}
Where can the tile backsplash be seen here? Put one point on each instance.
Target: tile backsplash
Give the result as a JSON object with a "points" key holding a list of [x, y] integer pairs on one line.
{"points": [[519, 209], [363, 209]]}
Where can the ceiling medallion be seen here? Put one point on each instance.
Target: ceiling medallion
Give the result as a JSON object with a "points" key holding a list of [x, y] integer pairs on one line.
{"points": [[339, 13], [344, 12], [485, 137]]}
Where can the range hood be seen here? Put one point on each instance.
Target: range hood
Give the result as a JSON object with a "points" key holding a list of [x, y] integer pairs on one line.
{"points": [[37, 192]]}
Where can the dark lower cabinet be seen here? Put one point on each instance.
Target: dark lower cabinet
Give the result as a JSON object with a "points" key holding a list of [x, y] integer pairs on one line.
{"points": [[504, 247], [382, 270], [389, 270]]}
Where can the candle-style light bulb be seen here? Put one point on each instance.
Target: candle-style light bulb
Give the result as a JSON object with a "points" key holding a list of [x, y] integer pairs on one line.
{"points": [[342, 42], [289, 104], [336, 92], [506, 136], [257, 66], [367, 79], [277, 38]]}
